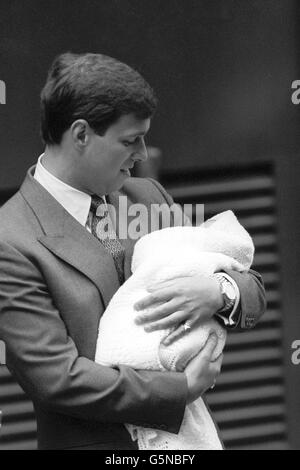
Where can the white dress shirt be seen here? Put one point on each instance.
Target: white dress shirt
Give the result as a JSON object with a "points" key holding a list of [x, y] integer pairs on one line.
{"points": [[76, 202]]}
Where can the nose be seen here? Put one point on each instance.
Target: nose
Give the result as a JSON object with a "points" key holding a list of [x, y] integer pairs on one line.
{"points": [[141, 153]]}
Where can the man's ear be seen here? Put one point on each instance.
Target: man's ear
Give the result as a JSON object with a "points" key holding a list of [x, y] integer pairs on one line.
{"points": [[80, 131]]}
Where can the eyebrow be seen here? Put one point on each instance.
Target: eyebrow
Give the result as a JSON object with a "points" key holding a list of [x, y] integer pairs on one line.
{"points": [[135, 134]]}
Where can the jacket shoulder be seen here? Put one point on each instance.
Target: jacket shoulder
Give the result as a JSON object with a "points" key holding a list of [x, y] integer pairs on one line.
{"points": [[15, 219], [145, 190]]}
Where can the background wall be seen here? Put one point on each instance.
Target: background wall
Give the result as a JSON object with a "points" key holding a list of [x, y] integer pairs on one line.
{"points": [[222, 70]]}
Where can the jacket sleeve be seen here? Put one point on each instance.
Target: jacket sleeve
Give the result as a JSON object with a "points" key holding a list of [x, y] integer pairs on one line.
{"points": [[253, 297], [46, 363]]}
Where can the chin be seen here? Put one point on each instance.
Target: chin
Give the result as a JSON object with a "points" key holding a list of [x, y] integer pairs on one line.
{"points": [[115, 186]]}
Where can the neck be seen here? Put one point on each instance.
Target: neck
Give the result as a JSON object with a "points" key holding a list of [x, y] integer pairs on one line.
{"points": [[60, 164]]}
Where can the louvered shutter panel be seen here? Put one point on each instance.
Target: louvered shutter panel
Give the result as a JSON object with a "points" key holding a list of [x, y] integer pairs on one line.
{"points": [[248, 402], [18, 431]]}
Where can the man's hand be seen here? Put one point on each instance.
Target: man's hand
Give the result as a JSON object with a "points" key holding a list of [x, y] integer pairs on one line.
{"points": [[194, 298], [201, 373]]}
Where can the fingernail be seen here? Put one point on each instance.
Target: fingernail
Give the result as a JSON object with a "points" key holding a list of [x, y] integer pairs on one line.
{"points": [[148, 329]]}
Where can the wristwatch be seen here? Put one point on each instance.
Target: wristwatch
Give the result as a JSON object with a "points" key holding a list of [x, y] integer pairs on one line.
{"points": [[228, 293]]}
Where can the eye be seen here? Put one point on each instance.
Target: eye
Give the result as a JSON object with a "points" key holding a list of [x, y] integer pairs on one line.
{"points": [[127, 143]]}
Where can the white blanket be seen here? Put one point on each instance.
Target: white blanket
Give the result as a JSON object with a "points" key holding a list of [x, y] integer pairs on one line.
{"points": [[218, 245]]}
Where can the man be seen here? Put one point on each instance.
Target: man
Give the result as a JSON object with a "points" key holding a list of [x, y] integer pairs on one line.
{"points": [[57, 275]]}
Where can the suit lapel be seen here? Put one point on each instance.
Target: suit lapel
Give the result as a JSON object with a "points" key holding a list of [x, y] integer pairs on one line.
{"points": [[81, 249], [69, 240]]}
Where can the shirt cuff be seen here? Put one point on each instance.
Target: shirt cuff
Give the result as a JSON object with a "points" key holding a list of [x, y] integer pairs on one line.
{"points": [[231, 318]]}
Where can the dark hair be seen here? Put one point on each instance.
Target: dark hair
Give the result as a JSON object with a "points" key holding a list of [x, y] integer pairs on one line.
{"points": [[93, 87]]}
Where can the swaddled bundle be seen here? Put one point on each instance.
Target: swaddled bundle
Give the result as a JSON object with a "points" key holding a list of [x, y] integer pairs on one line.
{"points": [[220, 244]]}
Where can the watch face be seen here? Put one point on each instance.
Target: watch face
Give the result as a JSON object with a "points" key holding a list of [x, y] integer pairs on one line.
{"points": [[230, 291]]}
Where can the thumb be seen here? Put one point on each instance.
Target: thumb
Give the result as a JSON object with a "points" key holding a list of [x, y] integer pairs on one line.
{"points": [[209, 347]]}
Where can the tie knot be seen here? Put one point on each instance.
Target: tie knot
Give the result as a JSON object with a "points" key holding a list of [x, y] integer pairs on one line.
{"points": [[96, 202]]}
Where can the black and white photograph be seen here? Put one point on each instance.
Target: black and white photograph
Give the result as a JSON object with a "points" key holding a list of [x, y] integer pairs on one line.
{"points": [[149, 227]]}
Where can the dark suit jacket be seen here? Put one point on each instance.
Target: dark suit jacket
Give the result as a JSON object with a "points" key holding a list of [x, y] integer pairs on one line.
{"points": [[56, 280]]}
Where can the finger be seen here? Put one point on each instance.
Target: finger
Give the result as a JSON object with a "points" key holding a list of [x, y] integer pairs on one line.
{"points": [[209, 348], [155, 286], [179, 332], [165, 284], [159, 313], [217, 364], [176, 334], [215, 369], [167, 322], [154, 298]]}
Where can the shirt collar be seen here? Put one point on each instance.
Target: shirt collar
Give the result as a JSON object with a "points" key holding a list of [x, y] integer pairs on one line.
{"points": [[76, 202]]}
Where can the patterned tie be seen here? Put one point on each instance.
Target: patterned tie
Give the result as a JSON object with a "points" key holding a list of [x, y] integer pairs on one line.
{"points": [[102, 229]]}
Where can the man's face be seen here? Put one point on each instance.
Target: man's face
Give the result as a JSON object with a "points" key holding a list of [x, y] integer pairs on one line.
{"points": [[108, 159]]}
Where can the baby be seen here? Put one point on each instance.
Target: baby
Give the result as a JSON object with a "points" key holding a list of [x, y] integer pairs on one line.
{"points": [[220, 244]]}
